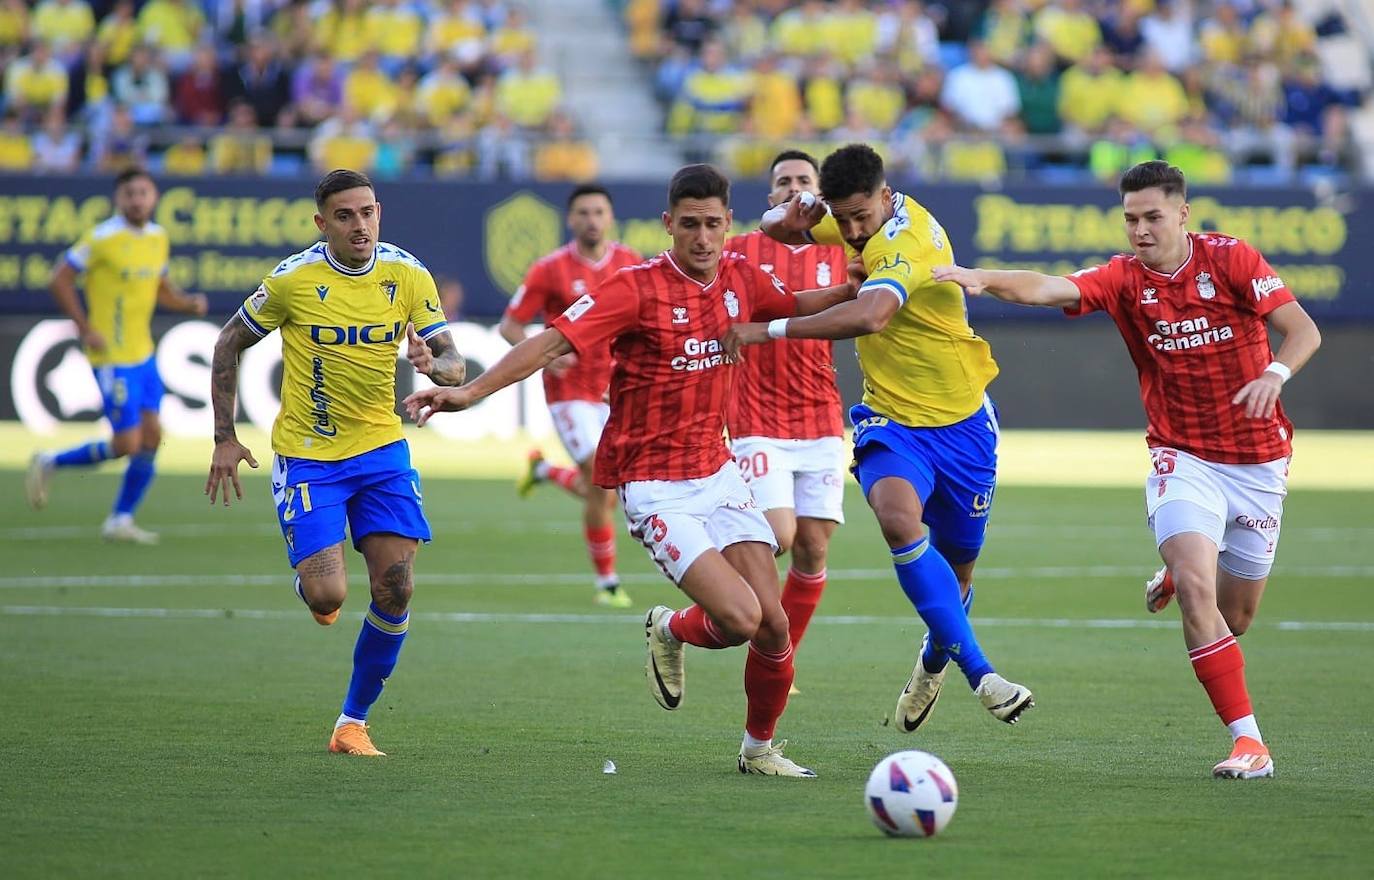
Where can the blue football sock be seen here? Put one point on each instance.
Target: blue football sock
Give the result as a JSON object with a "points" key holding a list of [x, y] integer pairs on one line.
{"points": [[933, 589], [138, 476], [374, 656], [86, 454], [933, 658]]}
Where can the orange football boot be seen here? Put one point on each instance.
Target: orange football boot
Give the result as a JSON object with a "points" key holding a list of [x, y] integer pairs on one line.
{"points": [[352, 739], [1249, 760]]}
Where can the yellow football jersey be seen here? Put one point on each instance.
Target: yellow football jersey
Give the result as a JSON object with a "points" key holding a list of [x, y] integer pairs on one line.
{"points": [[341, 330], [927, 367], [123, 265]]}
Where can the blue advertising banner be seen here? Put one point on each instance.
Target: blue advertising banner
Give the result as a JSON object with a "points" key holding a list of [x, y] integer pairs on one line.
{"points": [[228, 232]]}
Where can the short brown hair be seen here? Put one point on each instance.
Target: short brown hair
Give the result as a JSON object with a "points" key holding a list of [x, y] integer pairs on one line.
{"points": [[698, 182], [1154, 173]]}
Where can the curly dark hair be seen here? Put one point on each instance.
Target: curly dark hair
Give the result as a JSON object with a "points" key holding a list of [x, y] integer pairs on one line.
{"points": [[1155, 173], [850, 170]]}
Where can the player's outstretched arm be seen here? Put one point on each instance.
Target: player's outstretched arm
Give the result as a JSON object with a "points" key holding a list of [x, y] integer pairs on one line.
{"points": [[436, 357], [224, 383], [869, 313], [791, 222], [63, 289], [1301, 339], [170, 296], [520, 362], [1012, 285]]}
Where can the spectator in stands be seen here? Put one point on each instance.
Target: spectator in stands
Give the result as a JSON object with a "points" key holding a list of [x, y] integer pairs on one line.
{"points": [[527, 94], [801, 30], [342, 32], [238, 21], [368, 89], [876, 98], [198, 95], [444, 92], [35, 82], [1070, 31], [457, 32], [1152, 99], [396, 30], [1168, 34], [175, 27], [1314, 111], [56, 148], [503, 153], [689, 24], [1038, 85], [775, 102], [118, 33], [1119, 148], [850, 31], [241, 147], [65, 25], [1197, 153], [16, 150], [450, 297], [395, 150], [1121, 34], [745, 34], [1005, 29], [141, 85], [512, 40], [406, 110], [14, 30], [1223, 38], [1281, 35], [563, 155], [88, 96], [1250, 102], [981, 95], [294, 28], [316, 89], [261, 80], [823, 94], [117, 144], [713, 98], [908, 33], [1088, 95], [185, 158], [345, 141]]}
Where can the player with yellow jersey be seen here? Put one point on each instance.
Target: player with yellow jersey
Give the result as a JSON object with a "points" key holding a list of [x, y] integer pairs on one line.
{"points": [[343, 306], [925, 435], [124, 264]]}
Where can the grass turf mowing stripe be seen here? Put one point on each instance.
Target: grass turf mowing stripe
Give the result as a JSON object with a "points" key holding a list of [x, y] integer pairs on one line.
{"points": [[511, 617]]}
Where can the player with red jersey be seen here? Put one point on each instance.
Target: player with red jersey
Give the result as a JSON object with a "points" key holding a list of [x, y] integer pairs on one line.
{"points": [[1195, 311], [786, 431], [575, 384], [664, 445]]}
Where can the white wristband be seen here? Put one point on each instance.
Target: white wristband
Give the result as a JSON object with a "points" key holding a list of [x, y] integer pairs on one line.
{"points": [[777, 328], [1280, 370]]}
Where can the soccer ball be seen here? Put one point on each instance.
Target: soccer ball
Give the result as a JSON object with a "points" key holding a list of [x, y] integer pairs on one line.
{"points": [[911, 794]]}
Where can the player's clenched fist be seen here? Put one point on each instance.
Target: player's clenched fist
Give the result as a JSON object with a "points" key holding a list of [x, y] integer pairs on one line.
{"points": [[740, 335], [423, 404]]}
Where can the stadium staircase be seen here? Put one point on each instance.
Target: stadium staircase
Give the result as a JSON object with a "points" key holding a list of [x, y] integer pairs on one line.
{"points": [[605, 91]]}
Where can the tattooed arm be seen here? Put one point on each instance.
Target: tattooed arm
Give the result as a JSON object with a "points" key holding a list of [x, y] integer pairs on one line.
{"points": [[224, 383], [436, 357]]}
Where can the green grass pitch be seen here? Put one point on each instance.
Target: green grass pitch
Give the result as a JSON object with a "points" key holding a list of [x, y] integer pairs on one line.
{"points": [[167, 709]]}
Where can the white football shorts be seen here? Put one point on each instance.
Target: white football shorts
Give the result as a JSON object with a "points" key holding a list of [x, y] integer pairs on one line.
{"points": [[806, 475], [1238, 506], [579, 424], [678, 520]]}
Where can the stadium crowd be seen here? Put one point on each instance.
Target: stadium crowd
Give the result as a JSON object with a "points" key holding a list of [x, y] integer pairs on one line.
{"points": [[970, 90], [273, 86]]}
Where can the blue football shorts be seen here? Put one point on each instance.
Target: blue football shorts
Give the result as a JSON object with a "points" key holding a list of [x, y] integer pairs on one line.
{"points": [[377, 491], [953, 469], [128, 392]]}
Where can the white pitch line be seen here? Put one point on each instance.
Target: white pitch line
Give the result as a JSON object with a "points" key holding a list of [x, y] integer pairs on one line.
{"points": [[626, 619], [1039, 572]]}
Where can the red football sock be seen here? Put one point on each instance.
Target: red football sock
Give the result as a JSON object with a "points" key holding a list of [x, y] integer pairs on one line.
{"points": [[693, 626], [601, 548], [564, 477], [767, 678], [1220, 667], [800, 596]]}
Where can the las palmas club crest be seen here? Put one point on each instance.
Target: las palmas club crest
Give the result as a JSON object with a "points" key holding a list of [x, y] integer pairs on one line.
{"points": [[1205, 288], [731, 304]]}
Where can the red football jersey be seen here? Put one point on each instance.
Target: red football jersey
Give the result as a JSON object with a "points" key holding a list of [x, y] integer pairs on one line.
{"points": [[552, 284], [1196, 337], [786, 388], [670, 384]]}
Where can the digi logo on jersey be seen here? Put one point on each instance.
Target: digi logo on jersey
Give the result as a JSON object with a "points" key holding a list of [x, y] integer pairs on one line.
{"points": [[367, 334]]}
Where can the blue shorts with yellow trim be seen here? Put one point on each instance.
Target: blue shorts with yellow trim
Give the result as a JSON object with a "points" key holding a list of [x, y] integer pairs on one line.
{"points": [[953, 469], [128, 392], [377, 491]]}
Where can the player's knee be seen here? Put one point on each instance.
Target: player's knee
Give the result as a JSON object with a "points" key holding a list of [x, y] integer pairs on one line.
{"points": [[126, 443], [772, 633], [324, 595], [739, 623], [1238, 620], [392, 589], [808, 553], [900, 527], [1195, 586]]}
